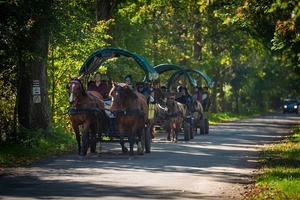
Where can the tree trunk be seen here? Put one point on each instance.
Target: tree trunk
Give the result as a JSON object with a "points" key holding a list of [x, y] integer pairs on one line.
{"points": [[32, 100], [105, 9], [197, 48], [33, 106]]}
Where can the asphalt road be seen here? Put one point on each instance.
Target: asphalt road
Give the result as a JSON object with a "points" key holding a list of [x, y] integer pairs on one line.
{"points": [[219, 165]]}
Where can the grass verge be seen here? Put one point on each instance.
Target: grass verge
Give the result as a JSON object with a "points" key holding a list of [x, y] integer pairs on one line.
{"points": [[34, 146], [280, 171]]}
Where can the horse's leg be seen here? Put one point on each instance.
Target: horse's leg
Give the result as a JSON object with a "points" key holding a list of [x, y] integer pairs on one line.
{"points": [[140, 146], [177, 129], [168, 130], [176, 132], [152, 127], [122, 143], [92, 140], [76, 130], [99, 138], [131, 138], [173, 135], [84, 139], [173, 129]]}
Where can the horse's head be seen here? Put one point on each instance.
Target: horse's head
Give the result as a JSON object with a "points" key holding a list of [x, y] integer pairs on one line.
{"points": [[75, 89], [159, 95], [170, 104], [122, 96], [191, 104], [194, 107]]}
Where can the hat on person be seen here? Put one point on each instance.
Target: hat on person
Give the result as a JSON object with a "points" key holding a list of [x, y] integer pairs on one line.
{"points": [[179, 87], [140, 84], [128, 78]]}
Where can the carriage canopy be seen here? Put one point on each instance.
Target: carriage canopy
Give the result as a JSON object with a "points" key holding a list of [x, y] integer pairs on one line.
{"points": [[182, 71], [94, 61]]}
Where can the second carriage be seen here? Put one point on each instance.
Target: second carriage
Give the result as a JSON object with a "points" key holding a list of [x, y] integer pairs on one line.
{"points": [[173, 74]]}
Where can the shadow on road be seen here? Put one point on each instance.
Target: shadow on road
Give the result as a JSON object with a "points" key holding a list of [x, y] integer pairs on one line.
{"points": [[227, 155]]}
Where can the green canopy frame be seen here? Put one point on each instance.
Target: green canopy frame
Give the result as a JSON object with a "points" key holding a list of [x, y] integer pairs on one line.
{"points": [[94, 61], [182, 71]]}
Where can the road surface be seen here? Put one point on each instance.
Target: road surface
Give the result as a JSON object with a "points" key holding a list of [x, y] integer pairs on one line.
{"points": [[215, 166]]}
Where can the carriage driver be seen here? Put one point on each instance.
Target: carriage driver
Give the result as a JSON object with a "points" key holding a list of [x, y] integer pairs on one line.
{"points": [[205, 99], [185, 96], [98, 85]]}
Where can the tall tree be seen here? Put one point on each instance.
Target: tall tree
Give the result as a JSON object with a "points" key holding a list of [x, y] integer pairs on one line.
{"points": [[105, 9], [32, 98]]}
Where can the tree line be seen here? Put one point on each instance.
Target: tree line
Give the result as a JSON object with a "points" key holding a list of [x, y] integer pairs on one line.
{"points": [[249, 48]]}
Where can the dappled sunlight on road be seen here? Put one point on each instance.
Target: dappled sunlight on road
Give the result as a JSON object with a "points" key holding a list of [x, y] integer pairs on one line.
{"points": [[213, 166]]}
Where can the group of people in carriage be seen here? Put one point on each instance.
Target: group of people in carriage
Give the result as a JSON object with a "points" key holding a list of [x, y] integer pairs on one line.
{"points": [[102, 87], [127, 103], [200, 94], [195, 109]]}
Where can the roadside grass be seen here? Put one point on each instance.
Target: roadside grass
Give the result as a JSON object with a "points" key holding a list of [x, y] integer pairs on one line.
{"points": [[280, 170], [226, 116], [34, 146]]}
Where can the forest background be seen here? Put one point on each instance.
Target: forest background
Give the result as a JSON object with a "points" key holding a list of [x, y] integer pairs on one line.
{"points": [[250, 49]]}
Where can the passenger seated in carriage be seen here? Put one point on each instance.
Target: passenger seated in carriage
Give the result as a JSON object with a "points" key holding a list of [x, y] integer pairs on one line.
{"points": [[98, 85], [128, 81], [163, 88], [142, 88], [185, 97], [205, 99], [197, 95]]}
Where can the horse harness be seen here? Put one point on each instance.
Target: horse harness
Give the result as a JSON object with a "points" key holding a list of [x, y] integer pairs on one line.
{"points": [[175, 114], [130, 111], [73, 110]]}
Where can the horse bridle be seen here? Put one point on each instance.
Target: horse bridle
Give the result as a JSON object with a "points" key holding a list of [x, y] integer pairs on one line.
{"points": [[118, 89], [71, 101], [130, 110]]}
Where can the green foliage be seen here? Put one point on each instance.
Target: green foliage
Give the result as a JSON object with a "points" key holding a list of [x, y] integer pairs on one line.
{"points": [[34, 146], [235, 40]]}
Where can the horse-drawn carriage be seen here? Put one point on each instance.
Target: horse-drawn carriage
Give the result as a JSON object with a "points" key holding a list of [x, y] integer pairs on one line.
{"points": [[195, 116], [124, 115]]}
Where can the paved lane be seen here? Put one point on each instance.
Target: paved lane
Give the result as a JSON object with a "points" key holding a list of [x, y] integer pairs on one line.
{"points": [[213, 166]]}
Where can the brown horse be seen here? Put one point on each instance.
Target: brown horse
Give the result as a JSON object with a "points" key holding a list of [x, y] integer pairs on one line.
{"points": [[195, 110], [174, 117], [131, 111], [159, 110], [86, 108]]}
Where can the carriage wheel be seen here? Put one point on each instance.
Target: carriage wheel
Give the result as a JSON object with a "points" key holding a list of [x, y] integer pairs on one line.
{"points": [[192, 128], [202, 126], [206, 126], [147, 140], [187, 133]]}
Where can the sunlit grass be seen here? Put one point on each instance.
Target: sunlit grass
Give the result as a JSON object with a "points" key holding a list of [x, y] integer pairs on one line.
{"points": [[280, 167], [227, 116]]}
